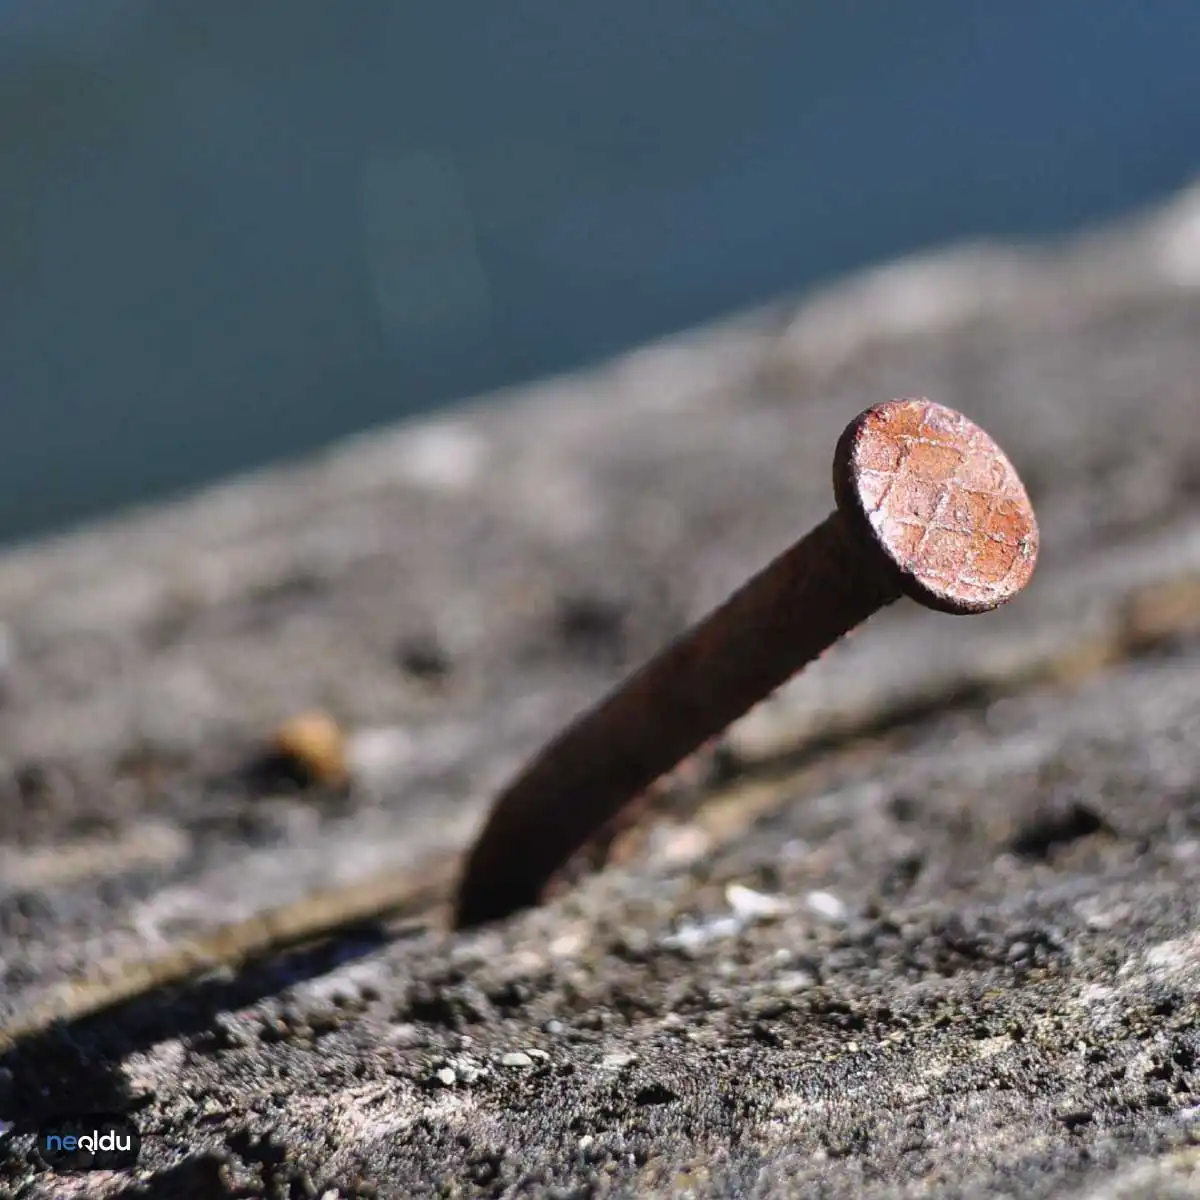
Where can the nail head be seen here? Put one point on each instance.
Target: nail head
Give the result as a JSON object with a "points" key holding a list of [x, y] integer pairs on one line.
{"points": [[935, 496]]}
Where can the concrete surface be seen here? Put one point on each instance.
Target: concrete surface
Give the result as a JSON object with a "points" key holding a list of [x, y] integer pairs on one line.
{"points": [[926, 926]]}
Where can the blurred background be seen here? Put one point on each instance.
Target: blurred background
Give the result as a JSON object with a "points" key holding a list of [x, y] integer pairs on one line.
{"points": [[231, 232]]}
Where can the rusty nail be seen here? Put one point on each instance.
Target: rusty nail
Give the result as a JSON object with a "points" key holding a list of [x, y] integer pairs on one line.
{"points": [[928, 506]]}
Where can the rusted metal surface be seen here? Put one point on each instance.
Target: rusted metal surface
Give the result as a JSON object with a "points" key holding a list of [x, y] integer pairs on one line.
{"points": [[928, 505], [940, 501]]}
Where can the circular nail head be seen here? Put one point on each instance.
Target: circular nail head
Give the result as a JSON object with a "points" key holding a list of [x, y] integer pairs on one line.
{"points": [[940, 501]]}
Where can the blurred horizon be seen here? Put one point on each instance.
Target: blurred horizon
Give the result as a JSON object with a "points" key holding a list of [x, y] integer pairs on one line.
{"points": [[233, 234]]}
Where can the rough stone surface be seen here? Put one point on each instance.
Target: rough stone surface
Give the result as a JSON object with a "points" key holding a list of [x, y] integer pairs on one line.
{"points": [[926, 924]]}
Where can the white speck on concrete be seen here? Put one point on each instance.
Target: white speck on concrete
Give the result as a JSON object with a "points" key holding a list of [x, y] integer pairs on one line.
{"points": [[794, 981], [747, 906], [568, 945], [1177, 956], [614, 1062], [827, 905], [750, 905], [1099, 916], [466, 1071], [374, 755], [692, 936]]}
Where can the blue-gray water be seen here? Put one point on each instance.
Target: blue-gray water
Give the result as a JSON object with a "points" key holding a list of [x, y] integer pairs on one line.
{"points": [[232, 231]]}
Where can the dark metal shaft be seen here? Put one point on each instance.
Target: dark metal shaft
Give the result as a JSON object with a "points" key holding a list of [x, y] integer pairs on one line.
{"points": [[783, 617]]}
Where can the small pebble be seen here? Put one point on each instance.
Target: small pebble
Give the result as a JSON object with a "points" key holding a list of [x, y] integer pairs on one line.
{"points": [[516, 1058], [751, 905], [313, 743], [692, 937], [445, 1076], [827, 905]]}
